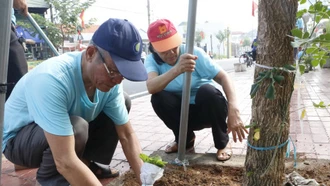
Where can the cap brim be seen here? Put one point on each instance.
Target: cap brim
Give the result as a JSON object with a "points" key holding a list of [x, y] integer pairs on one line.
{"points": [[168, 43], [131, 70]]}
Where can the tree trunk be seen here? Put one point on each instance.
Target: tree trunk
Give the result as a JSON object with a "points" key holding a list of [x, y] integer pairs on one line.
{"points": [[276, 19]]}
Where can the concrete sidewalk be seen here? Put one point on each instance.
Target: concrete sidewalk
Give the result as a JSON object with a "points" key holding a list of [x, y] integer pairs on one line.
{"points": [[314, 142]]}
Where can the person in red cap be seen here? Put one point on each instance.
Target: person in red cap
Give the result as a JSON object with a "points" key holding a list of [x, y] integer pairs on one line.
{"points": [[166, 66], [66, 116]]}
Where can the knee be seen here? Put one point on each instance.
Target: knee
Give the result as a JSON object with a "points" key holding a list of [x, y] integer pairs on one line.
{"points": [[163, 98], [205, 92], [210, 94], [127, 101], [80, 129]]}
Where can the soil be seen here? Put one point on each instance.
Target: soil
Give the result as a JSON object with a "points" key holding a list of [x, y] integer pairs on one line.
{"points": [[216, 175]]}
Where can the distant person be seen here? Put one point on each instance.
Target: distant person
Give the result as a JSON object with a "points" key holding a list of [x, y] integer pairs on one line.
{"points": [[66, 116], [17, 64], [209, 108], [254, 49], [300, 26], [300, 53]]}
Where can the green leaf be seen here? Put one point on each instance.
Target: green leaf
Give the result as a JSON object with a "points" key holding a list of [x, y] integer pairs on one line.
{"points": [[297, 33], [250, 126], [268, 73], [326, 36], [318, 6], [306, 35], [254, 89], [302, 68], [316, 105], [302, 2], [322, 62], [300, 13], [156, 160], [289, 67], [278, 78], [249, 173], [256, 136], [311, 50], [314, 63], [270, 94], [318, 18], [303, 114]]}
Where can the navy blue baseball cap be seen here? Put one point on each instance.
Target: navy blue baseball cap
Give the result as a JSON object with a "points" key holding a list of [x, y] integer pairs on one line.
{"points": [[123, 42]]}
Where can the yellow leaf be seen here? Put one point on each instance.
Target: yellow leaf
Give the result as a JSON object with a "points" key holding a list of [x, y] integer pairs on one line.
{"points": [[303, 114], [256, 136]]}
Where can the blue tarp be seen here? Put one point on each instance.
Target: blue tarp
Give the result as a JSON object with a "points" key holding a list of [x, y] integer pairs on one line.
{"points": [[27, 34]]}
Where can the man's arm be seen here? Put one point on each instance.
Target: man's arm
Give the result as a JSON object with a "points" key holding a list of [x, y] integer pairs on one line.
{"points": [[157, 83], [21, 5], [67, 162], [131, 147], [235, 124]]}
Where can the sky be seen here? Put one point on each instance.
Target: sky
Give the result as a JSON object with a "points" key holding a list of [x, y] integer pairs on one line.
{"points": [[237, 14]]}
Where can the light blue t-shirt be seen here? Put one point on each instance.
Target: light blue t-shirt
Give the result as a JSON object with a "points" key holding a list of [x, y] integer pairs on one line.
{"points": [[205, 71], [52, 92], [13, 18], [300, 23]]}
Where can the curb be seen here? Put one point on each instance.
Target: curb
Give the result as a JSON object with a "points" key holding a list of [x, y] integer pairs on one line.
{"points": [[140, 94]]}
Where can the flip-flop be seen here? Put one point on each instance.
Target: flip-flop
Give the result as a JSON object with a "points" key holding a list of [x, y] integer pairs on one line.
{"points": [[225, 154], [103, 171], [173, 147]]}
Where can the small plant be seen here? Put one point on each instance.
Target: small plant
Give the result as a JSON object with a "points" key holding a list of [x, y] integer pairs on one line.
{"points": [[156, 160]]}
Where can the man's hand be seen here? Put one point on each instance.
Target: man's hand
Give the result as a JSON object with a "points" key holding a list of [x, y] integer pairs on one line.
{"points": [[186, 63], [21, 6], [235, 124]]}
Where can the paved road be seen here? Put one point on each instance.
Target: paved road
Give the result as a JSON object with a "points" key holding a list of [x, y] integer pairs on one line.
{"points": [[135, 89]]}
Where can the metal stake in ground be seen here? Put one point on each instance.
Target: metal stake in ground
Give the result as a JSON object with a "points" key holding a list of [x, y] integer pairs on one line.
{"points": [[186, 86], [5, 21]]}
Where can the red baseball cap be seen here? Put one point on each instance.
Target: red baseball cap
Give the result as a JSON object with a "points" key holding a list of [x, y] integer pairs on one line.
{"points": [[163, 35]]}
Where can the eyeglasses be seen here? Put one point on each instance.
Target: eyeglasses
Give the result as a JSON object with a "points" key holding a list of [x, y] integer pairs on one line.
{"points": [[174, 50], [112, 73]]}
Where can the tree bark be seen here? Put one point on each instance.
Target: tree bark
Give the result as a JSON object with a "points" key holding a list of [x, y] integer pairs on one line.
{"points": [[276, 20]]}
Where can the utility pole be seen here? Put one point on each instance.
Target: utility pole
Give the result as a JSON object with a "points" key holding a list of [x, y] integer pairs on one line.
{"points": [[228, 47], [148, 6], [211, 44], [51, 13]]}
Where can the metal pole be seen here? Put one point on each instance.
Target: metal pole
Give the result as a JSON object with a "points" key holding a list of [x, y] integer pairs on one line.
{"points": [[5, 22], [148, 7], [43, 35], [228, 47], [187, 77]]}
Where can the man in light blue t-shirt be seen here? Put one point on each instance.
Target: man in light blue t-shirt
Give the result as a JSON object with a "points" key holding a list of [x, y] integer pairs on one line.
{"points": [[66, 115], [208, 107]]}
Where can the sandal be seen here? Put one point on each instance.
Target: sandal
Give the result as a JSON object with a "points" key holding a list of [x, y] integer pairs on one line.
{"points": [[173, 147], [225, 154], [103, 171]]}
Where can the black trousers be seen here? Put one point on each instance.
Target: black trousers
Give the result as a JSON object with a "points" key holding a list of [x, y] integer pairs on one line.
{"points": [[209, 110], [17, 65], [95, 141]]}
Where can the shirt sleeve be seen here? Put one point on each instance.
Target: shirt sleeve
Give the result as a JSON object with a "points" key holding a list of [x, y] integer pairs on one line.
{"points": [[150, 64], [47, 104]]}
